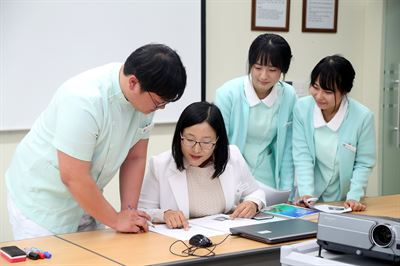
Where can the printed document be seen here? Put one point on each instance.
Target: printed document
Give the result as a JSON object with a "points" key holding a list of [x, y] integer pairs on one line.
{"points": [[212, 225]]}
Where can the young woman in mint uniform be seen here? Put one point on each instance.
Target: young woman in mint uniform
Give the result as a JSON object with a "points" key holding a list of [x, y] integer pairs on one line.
{"points": [[333, 137], [257, 110]]}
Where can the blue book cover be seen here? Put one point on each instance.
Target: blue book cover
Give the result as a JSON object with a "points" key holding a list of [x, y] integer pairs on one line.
{"points": [[290, 211]]}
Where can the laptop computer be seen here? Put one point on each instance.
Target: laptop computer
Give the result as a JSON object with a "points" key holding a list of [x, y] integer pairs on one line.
{"points": [[279, 231], [274, 196]]}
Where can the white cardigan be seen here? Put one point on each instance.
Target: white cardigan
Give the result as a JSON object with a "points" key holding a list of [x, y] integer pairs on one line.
{"points": [[165, 187]]}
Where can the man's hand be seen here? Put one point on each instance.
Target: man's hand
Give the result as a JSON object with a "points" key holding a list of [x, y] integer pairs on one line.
{"points": [[132, 221]]}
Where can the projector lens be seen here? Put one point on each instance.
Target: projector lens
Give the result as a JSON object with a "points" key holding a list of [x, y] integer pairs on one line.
{"points": [[382, 236]]}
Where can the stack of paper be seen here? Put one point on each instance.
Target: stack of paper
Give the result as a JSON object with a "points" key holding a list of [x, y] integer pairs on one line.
{"points": [[212, 225]]}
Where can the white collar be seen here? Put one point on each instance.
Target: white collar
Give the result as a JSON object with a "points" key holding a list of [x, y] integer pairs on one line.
{"points": [[336, 121], [252, 97]]}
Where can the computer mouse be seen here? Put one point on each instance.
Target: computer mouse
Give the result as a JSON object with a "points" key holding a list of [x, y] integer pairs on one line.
{"points": [[200, 241]]}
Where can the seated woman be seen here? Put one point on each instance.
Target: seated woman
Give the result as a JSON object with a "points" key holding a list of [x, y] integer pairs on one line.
{"points": [[202, 175], [333, 137]]}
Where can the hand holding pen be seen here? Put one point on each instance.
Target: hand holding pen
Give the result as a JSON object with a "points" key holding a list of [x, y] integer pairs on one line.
{"points": [[306, 201], [148, 218], [132, 221]]}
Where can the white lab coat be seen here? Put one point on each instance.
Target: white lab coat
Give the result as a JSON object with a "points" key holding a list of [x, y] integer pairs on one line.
{"points": [[165, 187]]}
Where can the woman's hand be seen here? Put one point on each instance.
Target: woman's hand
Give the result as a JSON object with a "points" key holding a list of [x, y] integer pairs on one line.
{"points": [[175, 219], [303, 201], [355, 206], [246, 209]]}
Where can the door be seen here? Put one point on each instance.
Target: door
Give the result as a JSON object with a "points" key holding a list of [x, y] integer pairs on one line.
{"points": [[390, 131]]}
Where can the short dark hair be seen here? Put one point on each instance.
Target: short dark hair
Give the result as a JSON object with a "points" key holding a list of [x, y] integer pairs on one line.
{"points": [[334, 73], [158, 69], [197, 113], [270, 49]]}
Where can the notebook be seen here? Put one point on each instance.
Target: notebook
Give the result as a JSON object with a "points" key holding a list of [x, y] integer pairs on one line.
{"points": [[276, 232]]}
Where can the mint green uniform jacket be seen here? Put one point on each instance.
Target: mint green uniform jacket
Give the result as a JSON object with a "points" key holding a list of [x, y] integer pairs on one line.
{"points": [[356, 151], [231, 100]]}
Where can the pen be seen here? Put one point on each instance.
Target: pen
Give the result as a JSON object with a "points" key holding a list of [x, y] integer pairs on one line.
{"points": [[149, 223]]}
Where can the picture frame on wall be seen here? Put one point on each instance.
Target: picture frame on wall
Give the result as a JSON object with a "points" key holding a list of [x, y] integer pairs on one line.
{"points": [[320, 16], [270, 15]]}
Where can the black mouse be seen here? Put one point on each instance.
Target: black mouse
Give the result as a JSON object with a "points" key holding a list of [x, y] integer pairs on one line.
{"points": [[200, 241]]}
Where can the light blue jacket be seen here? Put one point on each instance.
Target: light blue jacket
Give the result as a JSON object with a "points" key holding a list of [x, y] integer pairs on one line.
{"points": [[231, 100], [356, 151]]}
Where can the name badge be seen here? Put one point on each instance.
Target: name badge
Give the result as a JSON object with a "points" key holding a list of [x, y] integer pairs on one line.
{"points": [[147, 128], [349, 147]]}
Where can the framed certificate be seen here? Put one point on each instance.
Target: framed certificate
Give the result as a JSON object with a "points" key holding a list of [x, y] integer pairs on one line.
{"points": [[270, 15], [320, 15]]}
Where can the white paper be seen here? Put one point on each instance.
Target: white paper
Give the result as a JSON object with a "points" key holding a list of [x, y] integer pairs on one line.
{"points": [[212, 225], [331, 208], [182, 234], [223, 223]]}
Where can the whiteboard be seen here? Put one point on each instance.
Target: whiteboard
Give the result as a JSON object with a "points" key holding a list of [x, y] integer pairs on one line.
{"points": [[45, 42]]}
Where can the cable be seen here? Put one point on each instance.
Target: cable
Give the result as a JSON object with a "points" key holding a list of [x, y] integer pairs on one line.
{"points": [[190, 250]]}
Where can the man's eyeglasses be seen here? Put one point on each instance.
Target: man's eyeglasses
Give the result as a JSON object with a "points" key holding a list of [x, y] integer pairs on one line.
{"points": [[157, 105], [204, 145]]}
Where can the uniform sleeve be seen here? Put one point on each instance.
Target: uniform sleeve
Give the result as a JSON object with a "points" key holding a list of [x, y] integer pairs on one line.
{"points": [[303, 161], [364, 161], [287, 172], [77, 127], [224, 103], [287, 165], [149, 199]]}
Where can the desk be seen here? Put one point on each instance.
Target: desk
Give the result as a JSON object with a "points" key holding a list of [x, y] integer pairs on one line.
{"points": [[152, 248], [63, 253]]}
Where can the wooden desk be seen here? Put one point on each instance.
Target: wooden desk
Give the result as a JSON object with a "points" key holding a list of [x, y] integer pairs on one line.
{"points": [[383, 206], [63, 253], [152, 248]]}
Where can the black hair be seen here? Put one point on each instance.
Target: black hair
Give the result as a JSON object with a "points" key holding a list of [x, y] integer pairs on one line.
{"points": [[334, 73], [197, 113], [270, 49], [158, 69]]}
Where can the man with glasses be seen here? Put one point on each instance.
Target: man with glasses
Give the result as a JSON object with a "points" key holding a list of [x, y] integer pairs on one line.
{"points": [[97, 124]]}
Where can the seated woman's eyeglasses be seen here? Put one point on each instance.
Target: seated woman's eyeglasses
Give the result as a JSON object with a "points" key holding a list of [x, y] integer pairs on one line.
{"points": [[204, 145]]}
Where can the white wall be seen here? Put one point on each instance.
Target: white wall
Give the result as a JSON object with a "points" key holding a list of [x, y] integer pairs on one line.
{"points": [[359, 38]]}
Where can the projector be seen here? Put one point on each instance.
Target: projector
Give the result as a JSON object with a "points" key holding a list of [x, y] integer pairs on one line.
{"points": [[371, 236]]}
